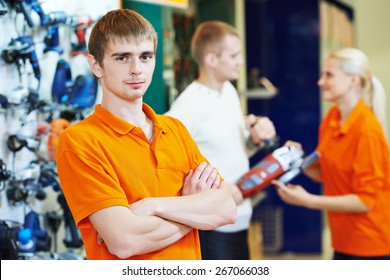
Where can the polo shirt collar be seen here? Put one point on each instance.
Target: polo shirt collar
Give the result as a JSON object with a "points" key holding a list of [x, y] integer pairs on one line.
{"points": [[120, 126], [153, 116], [352, 118]]}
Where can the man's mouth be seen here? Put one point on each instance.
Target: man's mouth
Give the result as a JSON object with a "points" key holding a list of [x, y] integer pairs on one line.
{"points": [[135, 84]]}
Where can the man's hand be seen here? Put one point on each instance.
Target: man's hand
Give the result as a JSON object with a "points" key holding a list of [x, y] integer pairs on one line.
{"points": [[261, 128], [294, 144], [236, 194], [204, 177]]}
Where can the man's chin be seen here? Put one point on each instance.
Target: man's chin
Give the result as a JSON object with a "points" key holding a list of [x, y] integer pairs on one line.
{"points": [[233, 78]]}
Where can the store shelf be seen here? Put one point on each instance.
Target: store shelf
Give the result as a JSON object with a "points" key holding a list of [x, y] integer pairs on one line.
{"points": [[259, 93]]}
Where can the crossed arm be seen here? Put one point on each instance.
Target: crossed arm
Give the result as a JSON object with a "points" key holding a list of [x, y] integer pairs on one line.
{"points": [[154, 223]]}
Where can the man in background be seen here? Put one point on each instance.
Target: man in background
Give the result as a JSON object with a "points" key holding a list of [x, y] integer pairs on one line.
{"points": [[210, 109]]}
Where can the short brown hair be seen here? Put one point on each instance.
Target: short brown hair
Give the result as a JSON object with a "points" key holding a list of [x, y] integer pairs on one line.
{"points": [[121, 24], [210, 34]]}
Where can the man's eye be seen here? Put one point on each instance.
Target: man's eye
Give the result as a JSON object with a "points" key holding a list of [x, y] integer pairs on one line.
{"points": [[146, 57], [122, 58]]}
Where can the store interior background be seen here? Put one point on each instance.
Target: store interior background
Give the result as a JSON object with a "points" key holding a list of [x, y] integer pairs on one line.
{"points": [[282, 40]]}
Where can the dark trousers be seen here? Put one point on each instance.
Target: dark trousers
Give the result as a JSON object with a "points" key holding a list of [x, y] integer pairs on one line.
{"points": [[217, 245], [342, 256]]}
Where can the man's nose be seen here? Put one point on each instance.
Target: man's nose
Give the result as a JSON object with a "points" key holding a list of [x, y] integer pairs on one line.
{"points": [[135, 67]]}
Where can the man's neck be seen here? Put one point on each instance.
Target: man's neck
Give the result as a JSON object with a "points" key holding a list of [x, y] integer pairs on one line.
{"points": [[130, 112], [210, 81]]}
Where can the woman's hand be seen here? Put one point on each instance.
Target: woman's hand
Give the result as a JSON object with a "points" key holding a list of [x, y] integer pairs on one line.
{"points": [[293, 194]]}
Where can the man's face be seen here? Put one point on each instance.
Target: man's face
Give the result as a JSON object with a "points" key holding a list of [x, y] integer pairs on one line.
{"points": [[230, 59], [127, 69]]}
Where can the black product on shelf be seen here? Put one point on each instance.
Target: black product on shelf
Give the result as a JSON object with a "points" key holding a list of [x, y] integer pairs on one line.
{"points": [[3, 8], [8, 242]]}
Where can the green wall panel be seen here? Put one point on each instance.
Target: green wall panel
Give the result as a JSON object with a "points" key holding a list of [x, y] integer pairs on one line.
{"points": [[222, 10]]}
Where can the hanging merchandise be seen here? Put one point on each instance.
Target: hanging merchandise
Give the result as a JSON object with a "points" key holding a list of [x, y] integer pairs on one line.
{"points": [[57, 126], [3, 8], [34, 238], [23, 242], [80, 24], [26, 129], [5, 174], [22, 7], [85, 91], [30, 240], [52, 41], [81, 93], [62, 87], [8, 242], [3, 102], [19, 51], [35, 5], [45, 86]]}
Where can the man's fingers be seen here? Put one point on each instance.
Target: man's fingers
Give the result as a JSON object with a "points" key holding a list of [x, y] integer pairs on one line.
{"points": [[251, 120], [199, 170], [188, 177], [294, 144], [215, 181], [204, 177], [263, 129], [207, 172], [211, 178]]}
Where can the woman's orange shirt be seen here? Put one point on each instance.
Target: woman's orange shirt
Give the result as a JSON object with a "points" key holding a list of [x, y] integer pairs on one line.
{"points": [[355, 159]]}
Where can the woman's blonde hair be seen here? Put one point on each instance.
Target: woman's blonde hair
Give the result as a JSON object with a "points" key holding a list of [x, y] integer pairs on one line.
{"points": [[355, 62]]}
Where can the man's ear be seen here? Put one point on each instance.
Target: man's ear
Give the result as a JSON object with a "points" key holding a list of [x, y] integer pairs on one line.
{"points": [[94, 65], [210, 59]]}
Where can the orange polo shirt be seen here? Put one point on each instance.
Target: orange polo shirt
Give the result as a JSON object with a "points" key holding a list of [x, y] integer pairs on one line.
{"points": [[355, 159], [104, 161]]}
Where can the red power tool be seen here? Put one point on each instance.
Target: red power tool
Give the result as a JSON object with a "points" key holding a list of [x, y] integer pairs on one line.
{"points": [[80, 24], [284, 163]]}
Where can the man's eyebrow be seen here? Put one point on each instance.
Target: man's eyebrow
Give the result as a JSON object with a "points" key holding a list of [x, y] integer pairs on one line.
{"points": [[130, 53], [148, 52], [121, 54]]}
